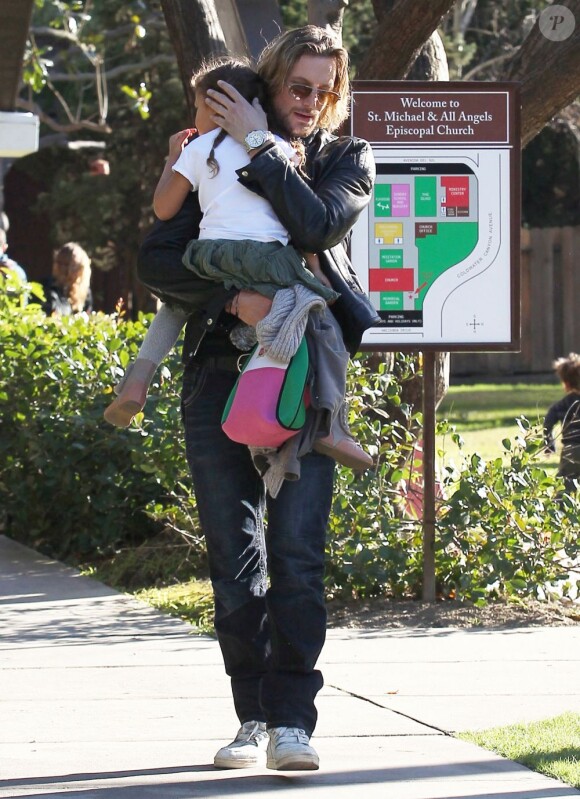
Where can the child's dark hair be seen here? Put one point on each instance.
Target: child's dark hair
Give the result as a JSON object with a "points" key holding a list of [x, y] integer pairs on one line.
{"points": [[568, 370], [250, 85], [242, 77]]}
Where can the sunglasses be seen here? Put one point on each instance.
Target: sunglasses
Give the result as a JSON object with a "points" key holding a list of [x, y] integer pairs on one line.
{"points": [[300, 91]]}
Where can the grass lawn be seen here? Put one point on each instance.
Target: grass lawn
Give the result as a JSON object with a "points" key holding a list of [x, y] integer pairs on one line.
{"points": [[191, 601], [484, 414], [551, 747]]}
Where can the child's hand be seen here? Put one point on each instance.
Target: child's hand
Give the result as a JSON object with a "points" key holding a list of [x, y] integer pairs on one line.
{"points": [[249, 306], [178, 141], [313, 263]]}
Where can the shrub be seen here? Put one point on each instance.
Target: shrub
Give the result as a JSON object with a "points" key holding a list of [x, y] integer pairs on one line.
{"points": [[70, 484], [371, 549], [76, 488], [507, 527]]}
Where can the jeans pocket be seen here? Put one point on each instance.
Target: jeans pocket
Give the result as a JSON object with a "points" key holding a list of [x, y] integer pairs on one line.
{"points": [[193, 383]]}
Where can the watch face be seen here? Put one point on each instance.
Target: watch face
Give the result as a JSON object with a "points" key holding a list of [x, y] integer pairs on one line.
{"points": [[256, 138]]}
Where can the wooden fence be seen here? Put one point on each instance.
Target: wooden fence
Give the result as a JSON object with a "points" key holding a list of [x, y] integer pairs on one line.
{"points": [[550, 307]]}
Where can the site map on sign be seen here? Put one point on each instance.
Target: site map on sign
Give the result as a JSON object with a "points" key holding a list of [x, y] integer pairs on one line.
{"points": [[431, 239]]}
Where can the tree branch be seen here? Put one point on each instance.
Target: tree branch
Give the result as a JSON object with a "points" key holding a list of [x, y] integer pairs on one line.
{"points": [[155, 21], [549, 72], [71, 127], [484, 64], [401, 33], [327, 14], [462, 14], [76, 77], [55, 33]]}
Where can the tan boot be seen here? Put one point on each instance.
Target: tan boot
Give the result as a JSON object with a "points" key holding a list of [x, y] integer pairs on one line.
{"points": [[132, 395], [346, 451], [341, 445]]}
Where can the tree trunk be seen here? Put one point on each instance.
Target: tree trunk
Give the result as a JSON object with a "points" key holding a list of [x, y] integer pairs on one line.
{"points": [[403, 29], [195, 33], [549, 72], [261, 21], [431, 63], [327, 14]]}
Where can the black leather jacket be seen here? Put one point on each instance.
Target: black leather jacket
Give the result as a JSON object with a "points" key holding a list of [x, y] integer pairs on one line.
{"points": [[318, 211]]}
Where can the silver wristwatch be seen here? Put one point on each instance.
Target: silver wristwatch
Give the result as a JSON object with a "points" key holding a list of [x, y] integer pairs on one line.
{"points": [[256, 138]]}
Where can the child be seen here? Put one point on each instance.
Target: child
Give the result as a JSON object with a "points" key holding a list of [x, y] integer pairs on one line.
{"points": [[239, 224], [567, 412], [68, 290]]}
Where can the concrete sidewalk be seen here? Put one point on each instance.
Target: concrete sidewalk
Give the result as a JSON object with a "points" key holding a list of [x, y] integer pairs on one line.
{"points": [[101, 696]]}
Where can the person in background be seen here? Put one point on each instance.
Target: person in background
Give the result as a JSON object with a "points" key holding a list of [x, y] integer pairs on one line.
{"points": [[7, 263], [68, 290], [566, 412]]}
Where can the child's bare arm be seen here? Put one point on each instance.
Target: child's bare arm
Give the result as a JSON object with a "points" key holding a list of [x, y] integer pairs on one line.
{"points": [[172, 188], [313, 263]]}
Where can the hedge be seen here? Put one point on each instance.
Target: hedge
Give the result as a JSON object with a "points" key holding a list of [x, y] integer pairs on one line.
{"points": [[76, 488]]}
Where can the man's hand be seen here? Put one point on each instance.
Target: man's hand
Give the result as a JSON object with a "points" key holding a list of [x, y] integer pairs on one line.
{"points": [[250, 307], [234, 113]]}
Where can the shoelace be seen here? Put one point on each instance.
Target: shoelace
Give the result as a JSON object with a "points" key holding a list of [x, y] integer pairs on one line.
{"points": [[294, 734], [250, 731]]}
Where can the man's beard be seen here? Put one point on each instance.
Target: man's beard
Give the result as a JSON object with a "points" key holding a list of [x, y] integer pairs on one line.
{"points": [[301, 130]]}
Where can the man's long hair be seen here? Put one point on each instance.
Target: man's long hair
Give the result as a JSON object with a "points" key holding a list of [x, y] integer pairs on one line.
{"points": [[278, 59]]}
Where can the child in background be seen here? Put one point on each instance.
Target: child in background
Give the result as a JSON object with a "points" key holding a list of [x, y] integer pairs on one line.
{"points": [[68, 290], [234, 216], [567, 413]]}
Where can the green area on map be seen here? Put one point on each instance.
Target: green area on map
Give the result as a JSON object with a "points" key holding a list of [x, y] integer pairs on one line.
{"points": [[451, 244], [390, 259], [391, 301], [383, 199], [425, 196]]}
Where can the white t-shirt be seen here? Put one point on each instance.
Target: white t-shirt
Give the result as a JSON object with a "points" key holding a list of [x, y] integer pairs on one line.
{"points": [[230, 210]]}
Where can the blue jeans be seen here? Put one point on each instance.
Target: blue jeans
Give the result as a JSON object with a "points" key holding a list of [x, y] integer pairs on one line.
{"points": [[270, 615]]}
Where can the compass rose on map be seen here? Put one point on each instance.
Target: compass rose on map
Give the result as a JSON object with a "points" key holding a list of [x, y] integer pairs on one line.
{"points": [[474, 324]]}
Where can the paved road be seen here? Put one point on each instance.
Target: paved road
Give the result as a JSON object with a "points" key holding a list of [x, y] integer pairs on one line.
{"points": [[104, 698]]}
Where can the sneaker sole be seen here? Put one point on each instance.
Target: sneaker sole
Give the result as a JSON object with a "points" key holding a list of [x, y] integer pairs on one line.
{"points": [[294, 763], [253, 762]]}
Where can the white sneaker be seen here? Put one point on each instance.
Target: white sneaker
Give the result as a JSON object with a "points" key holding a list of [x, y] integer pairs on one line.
{"points": [[248, 749], [289, 750]]}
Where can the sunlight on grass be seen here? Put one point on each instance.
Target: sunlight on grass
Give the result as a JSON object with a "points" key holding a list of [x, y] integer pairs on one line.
{"points": [[551, 747], [191, 601], [494, 402], [485, 414], [487, 443]]}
